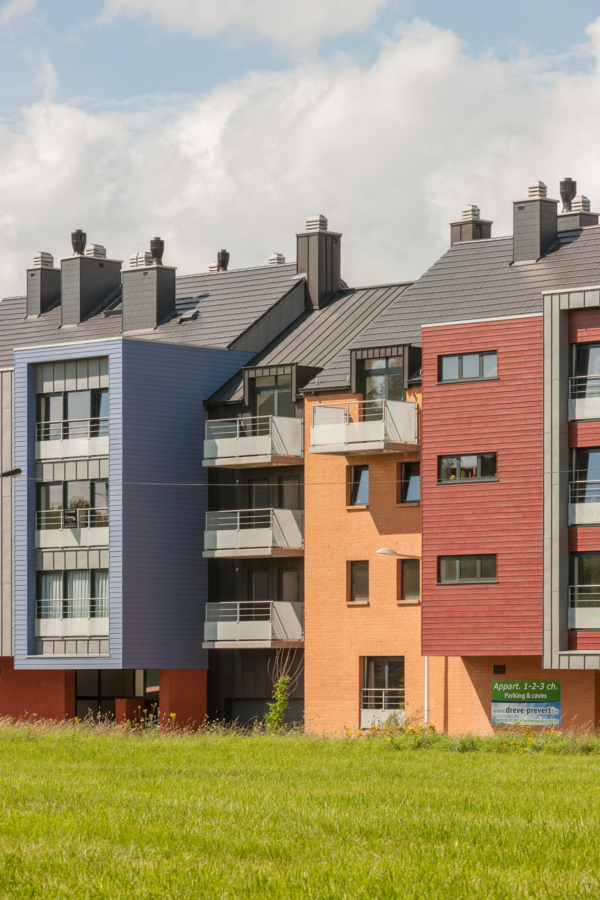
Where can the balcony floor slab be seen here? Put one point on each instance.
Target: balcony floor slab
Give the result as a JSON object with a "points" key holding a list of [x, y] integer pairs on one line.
{"points": [[253, 462], [252, 553], [250, 645], [367, 447]]}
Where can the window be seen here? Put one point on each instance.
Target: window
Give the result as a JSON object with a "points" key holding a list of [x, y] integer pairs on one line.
{"points": [[74, 414], [289, 492], [359, 485], [587, 359], [468, 366], [288, 585], [383, 682], [410, 482], [359, 580], [258, 585], [410, 588], [384, 378], [463, 468], [273, 395], [258, 493], [499, 670], [72, 594], [454, 569], [73, 495]]}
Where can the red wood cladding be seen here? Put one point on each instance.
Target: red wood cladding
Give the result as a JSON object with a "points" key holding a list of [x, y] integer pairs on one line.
{"points": [[584, 537], [584, 640], [584, 325], [503, 517], [584, 434]]}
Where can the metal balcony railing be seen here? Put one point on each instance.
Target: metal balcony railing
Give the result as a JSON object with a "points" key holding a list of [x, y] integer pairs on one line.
{"points": [[584, 386], [364, 421], [584, 492], [254, 528], [94, 608], [252, 620], [253, 436], [71, 429], [71, 518], [584, 606], [382, 698]]}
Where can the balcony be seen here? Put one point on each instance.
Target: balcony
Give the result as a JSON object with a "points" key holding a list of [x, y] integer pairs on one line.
{"points": [[71, 618], [71, 438], [254, 533], [584, 606], [253, 624], [364, 426], [71, 528], [378, 704], [254, 441], [584, 397]]}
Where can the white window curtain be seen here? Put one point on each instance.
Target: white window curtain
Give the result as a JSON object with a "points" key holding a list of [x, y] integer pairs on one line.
{"points": [[78, 592], [101, 583], [52, 586]]}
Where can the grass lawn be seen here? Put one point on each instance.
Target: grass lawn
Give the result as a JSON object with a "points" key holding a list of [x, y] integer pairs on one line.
{"points": [[93, 816]]}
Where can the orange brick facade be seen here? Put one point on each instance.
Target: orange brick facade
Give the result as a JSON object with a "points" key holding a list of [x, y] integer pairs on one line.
{"points": [[338, 633]]}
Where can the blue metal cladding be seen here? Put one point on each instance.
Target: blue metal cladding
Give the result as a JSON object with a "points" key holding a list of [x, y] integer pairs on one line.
{"points": [[25, 500], [158, 497], [165, 499]]}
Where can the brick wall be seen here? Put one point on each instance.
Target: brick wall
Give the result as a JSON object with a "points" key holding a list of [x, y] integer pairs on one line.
{"points": [[48, 694], [339, 634], [183, 692]]}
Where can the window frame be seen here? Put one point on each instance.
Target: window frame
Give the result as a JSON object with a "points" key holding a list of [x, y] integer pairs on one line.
{"points": [[478, 479], [463, 581], [385, 372], [461, 379], [354, 486], [403, 483], [352, 564], [403, 564]]}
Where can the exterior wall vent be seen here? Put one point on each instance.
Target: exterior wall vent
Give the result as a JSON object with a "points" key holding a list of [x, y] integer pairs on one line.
{"points": [[213, 267], [277, 259], [96, 250]]}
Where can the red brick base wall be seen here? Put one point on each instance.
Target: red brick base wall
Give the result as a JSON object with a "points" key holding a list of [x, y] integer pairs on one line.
{"points": [[129, 709], [49, 695], [183, 692]]}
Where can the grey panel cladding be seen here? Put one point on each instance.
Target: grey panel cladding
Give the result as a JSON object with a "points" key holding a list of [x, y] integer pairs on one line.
{"points": [[567, 221], [85, 282], [469, 230], [148, 296], [276, 320], [72, 470], [43, 290], [71, 375], [556, 485], [80, 647], [534, 228], [6, 515], [319, 257], [52, 560]]}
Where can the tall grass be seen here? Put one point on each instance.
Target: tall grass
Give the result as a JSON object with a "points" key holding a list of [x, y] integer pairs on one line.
{"points": [[102, 811]]}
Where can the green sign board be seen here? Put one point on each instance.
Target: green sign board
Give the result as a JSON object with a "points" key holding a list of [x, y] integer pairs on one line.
{"points": [[526, 702]]}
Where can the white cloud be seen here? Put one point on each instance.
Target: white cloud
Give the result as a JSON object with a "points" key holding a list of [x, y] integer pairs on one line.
{"points": [[282, 21], [14, 9], [389, 153]]}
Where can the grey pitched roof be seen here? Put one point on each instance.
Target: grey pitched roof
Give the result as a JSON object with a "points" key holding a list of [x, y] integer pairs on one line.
{"points": [[228, 303], [319, 337], [475, 280]]}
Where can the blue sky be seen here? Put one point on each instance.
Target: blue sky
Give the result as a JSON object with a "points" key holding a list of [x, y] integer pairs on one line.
{"points": [[227, 122]]}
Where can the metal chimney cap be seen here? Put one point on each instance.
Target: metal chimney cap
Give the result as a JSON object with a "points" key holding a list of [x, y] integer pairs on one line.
{"points": [[222, 260], [277, 259], [537, 190], [568, 189], [471, 211], [78, 242], [157, 248], [96, 250], [43, 260], [316, 223], [580, 203]]}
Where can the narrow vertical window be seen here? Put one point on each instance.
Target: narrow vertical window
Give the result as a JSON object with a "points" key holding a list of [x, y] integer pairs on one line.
{"points": [[359, 580], [359, 486]]}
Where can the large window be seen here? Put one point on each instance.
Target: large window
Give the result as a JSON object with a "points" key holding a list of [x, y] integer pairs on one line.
{"points": [[383, 682], [288, 585], [359, 580], [460, 569], [289, 492], [88, 499], [468, 366], [72, 415], [359, 485], [273, 395], [72, 594], [384, 378], [467, 467], [584, 579], [410, 584], [410, 482]]}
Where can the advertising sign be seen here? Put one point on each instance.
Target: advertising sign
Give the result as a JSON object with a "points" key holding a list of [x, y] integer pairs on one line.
{"points": [[70, 518], [525, 702]]}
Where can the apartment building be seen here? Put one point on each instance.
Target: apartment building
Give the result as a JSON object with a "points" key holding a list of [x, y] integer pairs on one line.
{"points": [[221, 475]]}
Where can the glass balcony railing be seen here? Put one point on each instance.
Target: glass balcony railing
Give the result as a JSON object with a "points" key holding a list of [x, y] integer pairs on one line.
{"points": [[253, 440], [584, 606], [263, 531], [584, 503], [254, 620], [81, 617], [584, 397], [364, 426], [378, 704]]}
